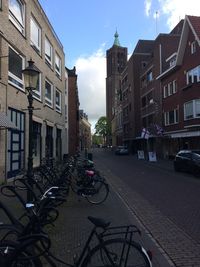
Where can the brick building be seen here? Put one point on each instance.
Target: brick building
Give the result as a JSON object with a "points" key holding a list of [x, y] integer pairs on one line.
{"points": [[25, 32], [84, 131], [131, 92], [73, 111], [181, 91], [159, 91], [116, 62]]}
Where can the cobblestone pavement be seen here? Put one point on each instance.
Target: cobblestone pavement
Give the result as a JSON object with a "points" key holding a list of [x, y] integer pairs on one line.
{"points": [[72, 227], [180, 249]]}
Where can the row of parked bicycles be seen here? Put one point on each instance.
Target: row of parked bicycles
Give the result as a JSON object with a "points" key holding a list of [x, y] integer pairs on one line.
{"points": [[24, 238]]}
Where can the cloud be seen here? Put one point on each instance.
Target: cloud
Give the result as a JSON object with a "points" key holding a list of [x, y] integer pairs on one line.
{"points": [[91, 72], [147, 5], [177, 9]]}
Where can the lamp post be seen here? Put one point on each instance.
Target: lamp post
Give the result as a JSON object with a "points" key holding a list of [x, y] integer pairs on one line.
{"points": [[31, 76]]}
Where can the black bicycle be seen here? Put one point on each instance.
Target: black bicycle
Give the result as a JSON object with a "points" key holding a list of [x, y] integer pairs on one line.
{"points": [[114, 247], [85, 183]]}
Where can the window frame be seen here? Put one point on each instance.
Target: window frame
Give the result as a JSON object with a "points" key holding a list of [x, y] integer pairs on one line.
{"points": [[170, 88], [174, 90], [150, 76], [190, 116], [167, 117], [37, 94], [49, 62], [13, 76], [58, 107], [37, 46], [58, 72], [12, 17], [165, 91], [48, 101], [190, 75], [193, 47]]}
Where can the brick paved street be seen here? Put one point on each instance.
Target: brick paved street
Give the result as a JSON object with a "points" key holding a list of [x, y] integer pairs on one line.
{"points": [[173, 241], [171, 246], [72, 228]]}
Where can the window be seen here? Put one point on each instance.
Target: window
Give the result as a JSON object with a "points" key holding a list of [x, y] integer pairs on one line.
{"points": [[192, 109], [15, 67], [58, 65], [143, 63], [188, 110], [174, 86], [149, 76], [171, 117], [35, 35], [193, 75], [197, 108], [193, 47], [37, 91], [172, 62], [16, 14], [16, 143], [48, 51], [165, 91], [58, 100], [170, 89], [48, 93]]}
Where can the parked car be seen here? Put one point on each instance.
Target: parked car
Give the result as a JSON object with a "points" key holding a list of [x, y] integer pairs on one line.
{"points": [[188, 161], [121, 150]]}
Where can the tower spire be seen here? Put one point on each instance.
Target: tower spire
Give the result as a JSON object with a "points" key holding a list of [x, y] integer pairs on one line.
{"points": [[116, 41]]}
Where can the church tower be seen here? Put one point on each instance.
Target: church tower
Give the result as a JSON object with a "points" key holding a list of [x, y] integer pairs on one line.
{"points": [[116, 60]]}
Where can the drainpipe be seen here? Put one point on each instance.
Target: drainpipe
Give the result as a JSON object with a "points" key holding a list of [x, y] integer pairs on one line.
{"points": [[5, 129]]}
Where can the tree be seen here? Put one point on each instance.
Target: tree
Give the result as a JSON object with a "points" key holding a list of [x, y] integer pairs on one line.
{"points": [[103, 128], [96, 139]]}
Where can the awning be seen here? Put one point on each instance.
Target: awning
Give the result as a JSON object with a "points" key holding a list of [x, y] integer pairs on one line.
{"points": [[5, 122]]}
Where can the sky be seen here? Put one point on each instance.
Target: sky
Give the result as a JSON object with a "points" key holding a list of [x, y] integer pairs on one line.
{"points": [[86, 29]]}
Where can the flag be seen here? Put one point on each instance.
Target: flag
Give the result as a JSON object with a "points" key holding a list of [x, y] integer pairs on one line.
{"points": [[145, 133], [159, 129]]}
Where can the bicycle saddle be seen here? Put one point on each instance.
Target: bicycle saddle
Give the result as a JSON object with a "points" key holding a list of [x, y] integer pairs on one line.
{"points": [[98, 222], [89, 173]]}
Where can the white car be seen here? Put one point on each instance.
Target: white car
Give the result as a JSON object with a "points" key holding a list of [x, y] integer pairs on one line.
{"points": [[121, 150]]}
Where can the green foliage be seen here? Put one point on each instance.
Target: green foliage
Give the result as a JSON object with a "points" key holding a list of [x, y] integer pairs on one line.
{"points": [[102, 127], [96, 139]]}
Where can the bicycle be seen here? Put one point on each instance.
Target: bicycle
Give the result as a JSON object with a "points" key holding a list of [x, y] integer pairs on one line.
{"points": [[83, 182], [110, 251]]}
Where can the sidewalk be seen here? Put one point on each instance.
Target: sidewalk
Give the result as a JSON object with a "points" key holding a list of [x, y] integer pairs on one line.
{"points": [[73, 228]]}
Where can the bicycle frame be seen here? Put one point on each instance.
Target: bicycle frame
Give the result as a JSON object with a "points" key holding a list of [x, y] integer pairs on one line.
{"points": [[86, 249]]}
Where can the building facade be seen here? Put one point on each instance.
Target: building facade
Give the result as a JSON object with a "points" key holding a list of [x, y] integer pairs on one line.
{"points": [[26, 33], [158, 92], [85, 137], [116, 62], [73, 111], [181, 91]]}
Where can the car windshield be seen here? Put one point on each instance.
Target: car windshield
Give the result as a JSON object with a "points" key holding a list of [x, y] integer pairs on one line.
{"points": [[196, 155]]}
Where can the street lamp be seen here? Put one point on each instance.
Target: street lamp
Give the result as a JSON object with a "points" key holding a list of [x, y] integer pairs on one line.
{"points": [[31, 76]]}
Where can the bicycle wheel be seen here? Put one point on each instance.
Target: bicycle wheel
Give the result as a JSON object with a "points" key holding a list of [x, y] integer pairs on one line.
{"points": [[98, 192], [9, 256], [118, 253]]}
